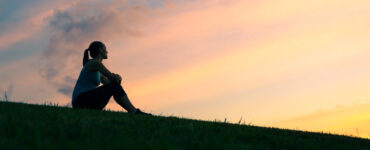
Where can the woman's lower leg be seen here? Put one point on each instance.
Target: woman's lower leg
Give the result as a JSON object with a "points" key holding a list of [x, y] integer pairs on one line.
{"points": [[121, 97], [124, 102]]}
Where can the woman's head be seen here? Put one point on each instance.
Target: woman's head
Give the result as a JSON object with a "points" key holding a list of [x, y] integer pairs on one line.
{"points": [[97, 49]]}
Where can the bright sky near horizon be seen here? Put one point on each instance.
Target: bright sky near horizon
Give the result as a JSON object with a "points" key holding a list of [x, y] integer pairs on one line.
{"points": [[287, 64]]}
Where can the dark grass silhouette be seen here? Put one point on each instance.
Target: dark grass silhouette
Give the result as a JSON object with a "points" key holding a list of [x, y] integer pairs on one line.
{"points": [[31, 126]]}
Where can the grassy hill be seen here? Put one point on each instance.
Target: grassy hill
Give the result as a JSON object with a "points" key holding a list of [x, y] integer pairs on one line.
{"points": [[30, 126]]}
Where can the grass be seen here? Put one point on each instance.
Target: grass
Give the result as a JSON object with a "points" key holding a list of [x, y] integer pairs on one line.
{"points": [[31, 126]]}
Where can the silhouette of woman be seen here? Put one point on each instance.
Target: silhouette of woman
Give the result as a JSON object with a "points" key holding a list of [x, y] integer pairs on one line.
{"points": [[87, 94]]}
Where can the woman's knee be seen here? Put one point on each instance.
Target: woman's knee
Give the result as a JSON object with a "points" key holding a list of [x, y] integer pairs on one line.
{"points": [[114, 85], [117, 90]]}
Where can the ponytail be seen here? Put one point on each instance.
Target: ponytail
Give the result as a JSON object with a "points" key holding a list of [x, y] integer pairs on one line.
{"points": [[86, 57]]}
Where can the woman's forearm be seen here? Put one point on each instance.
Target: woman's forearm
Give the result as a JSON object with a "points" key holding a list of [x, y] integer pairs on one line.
{"points": [[104, 79], [107, 73]]}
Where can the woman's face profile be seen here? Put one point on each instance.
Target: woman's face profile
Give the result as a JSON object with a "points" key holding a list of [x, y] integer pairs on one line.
{"points": [[104, 53]]}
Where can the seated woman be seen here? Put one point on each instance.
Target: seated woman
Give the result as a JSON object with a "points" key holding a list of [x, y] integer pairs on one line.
{"points": [[87, 94]]}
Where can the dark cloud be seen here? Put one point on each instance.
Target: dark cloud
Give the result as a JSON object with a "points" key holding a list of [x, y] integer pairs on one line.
{"points": [[65, 89], [72, 30]]}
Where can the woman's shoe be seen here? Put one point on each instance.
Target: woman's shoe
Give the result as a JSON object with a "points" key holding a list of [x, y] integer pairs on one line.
{"points": [[138, 111]]}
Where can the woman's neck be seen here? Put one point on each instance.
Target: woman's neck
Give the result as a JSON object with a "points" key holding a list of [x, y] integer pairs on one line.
{"points": [[99, 59]]}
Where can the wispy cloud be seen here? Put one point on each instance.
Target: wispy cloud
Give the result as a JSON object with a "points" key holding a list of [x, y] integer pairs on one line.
{"points": [[23, 30]]}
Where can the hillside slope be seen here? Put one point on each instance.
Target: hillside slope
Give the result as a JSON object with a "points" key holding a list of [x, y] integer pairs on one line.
{"points": [[29, 126]]}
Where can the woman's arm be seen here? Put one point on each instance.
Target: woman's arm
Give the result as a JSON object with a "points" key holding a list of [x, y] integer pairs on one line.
{"points": [[104, 79], [105, 72]]}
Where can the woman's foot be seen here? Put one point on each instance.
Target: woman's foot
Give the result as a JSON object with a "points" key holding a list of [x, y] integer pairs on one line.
{"points": [[139, 112]]}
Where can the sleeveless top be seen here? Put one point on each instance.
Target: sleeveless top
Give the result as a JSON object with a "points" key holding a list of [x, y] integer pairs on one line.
{"points": [[87, 80]]}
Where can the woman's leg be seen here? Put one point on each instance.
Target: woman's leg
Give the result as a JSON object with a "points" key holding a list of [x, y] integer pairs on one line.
{"points": [[125, 103], [121, 97], [99, 97], [94, 99]]}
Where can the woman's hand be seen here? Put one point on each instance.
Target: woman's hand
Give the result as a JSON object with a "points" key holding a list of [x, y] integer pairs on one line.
{"points": [[118, 77]]}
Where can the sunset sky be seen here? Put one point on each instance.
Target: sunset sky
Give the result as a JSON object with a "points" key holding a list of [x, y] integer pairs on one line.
{"points": [[288, 64]]}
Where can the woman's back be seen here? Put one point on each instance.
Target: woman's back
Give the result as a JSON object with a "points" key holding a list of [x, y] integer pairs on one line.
{"points": [[86, 81]]}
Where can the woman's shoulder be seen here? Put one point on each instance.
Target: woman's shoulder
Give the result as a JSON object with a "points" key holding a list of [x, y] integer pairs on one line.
{"points": [[91, 65]]}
